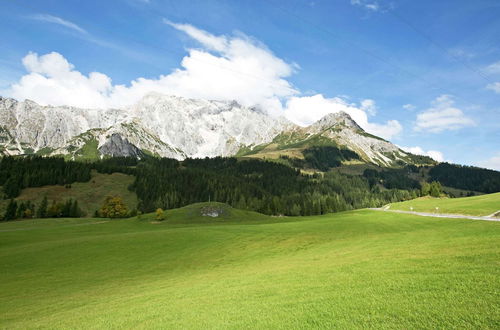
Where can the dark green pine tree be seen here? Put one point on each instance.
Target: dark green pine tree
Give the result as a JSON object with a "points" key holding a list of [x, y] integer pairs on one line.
{"points": [[66, 209], [12, 187], [20, 210], [42, 209], [75, 210], [10, 213]]}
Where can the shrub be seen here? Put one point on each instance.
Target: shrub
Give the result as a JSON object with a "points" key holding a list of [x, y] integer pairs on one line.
{"points": [[113, 207]]}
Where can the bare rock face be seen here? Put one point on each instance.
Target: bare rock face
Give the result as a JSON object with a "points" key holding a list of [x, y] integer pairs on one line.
{"points": [[116, 146], [341, 128], [164, 125], [170, 126], [211, 211]]}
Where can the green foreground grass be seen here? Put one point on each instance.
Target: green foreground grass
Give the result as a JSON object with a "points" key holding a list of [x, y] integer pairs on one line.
{"points": [[478, 205], [358, 269]]}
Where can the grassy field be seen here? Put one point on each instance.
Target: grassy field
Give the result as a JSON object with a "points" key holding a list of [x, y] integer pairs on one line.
{"points": [[359, 269], [477, 205], [90, 195]]}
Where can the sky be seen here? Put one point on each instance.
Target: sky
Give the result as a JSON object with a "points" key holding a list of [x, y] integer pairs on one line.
{"points": [[423, 74]]}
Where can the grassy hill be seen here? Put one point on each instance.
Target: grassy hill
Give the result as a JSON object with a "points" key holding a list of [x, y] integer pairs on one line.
{"points": [[208, 213], [477, 205], [354, 269], [89, 195]]}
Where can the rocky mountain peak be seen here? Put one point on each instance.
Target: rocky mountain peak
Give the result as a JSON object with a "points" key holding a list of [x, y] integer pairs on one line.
{"points": [[336, 120]]}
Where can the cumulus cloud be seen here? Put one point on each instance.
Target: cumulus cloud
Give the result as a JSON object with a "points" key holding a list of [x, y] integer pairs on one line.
{"points": [[491, 163], [441, 116], [494, 87], [224, 68], [434, 154], [238, 68], [57, 20], [53, 80], [305, 110], [409, 107]]}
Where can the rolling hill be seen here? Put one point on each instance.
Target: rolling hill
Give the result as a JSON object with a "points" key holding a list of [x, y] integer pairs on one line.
{"points": [[483, 205]]}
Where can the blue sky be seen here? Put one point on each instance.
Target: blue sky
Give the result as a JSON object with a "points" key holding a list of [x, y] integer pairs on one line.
{"points": [[424, 74]]}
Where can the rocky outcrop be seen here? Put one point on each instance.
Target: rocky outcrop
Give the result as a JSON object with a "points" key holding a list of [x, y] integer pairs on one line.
{"points": [[116, 146]]}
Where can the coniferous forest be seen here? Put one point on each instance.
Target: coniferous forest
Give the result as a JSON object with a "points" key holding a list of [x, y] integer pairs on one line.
{"points": [[466, 177], [264, 186]]}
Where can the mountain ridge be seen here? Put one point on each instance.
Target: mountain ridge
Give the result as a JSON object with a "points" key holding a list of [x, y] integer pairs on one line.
{"points": [[176, 127]]}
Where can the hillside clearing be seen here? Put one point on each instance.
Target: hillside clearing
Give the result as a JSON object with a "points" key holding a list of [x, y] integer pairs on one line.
{"points": [[90, 195]]}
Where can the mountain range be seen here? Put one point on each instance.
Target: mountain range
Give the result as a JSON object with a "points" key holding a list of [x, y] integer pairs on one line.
{"points": [[179, 128]]}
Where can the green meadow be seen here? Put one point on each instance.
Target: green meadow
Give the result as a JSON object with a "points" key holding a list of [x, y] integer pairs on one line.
{"points": [[357, 269], [478, 205]]}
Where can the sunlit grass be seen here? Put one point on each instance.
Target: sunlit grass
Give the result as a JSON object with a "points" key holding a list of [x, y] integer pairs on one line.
{"points": [[477, 205], [350, 270]]}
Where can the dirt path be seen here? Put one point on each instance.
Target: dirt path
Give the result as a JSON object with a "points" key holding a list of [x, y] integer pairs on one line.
{"points": [[440, 215], [495, 214]]}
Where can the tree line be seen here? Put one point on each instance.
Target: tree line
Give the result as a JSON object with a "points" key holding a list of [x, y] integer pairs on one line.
{"points": [[263, 186], [321, 158], [17, 173], [27, 209], [466, 177]]}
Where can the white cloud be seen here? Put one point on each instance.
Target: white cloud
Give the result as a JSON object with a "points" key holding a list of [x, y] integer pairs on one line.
{"points": [[367, 4], [409, 107], [217, 43], [52, 80], [57, 20], [441, 116], [369, 106], [491, 163], [434, 154], [493, 68], [494, 87], [225, 68], [306, 110], [238, 68]]}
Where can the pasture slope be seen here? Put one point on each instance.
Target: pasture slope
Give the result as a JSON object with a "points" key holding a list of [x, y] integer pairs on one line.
{"points": [[482, 205], [90, 195], [357, 269]]}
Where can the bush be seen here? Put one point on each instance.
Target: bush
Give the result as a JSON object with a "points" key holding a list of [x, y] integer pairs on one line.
{"points": [[113, 207], [160, 216]]}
